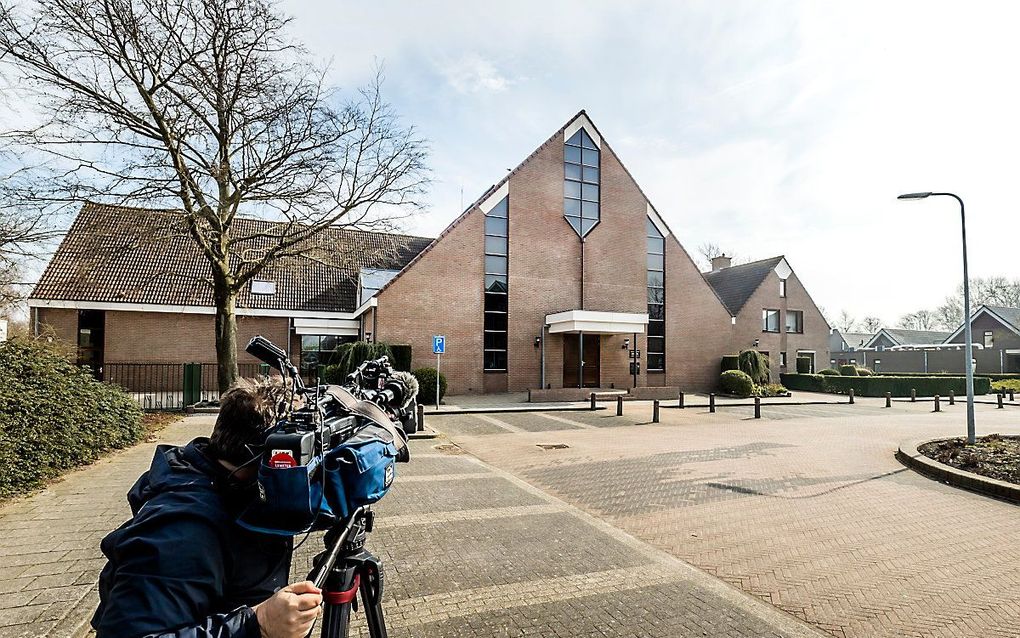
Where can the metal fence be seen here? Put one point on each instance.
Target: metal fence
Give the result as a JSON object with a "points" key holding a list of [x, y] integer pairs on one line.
{"points": [[171, 386]]}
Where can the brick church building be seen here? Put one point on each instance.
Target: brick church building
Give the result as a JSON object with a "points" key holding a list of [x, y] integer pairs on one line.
{"points": [[561, 275]]}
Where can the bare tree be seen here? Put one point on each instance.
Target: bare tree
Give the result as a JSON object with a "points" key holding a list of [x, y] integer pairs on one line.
{"points": [[845, 322], [711, 250], [22, 238], [208, 107], [871, 324], [920, 320]]}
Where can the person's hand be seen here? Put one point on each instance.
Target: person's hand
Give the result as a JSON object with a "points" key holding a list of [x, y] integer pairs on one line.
{"points": [[290, 612]]}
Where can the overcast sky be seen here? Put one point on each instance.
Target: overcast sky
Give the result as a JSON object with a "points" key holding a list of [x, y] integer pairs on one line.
{"points": [[765, 127]]}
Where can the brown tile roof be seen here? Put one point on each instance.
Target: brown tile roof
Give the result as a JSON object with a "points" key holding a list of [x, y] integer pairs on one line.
{"points": [[736, 284], [136, 255]]}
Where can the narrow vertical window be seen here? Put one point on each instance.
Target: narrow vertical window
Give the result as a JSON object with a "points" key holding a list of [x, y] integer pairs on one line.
{"points": [[581, 182], [656, 298], [782, 287], [496, 256]]}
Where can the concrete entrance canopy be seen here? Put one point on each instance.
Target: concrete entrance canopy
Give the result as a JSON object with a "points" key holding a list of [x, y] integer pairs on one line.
{"points": [[597, 322]]}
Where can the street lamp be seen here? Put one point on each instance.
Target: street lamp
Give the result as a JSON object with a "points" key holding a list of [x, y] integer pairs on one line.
{"points": [[968, 346]]}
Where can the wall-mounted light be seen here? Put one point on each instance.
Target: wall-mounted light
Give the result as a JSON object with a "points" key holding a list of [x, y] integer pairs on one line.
{"points": [[626, 343], [538, 342], [368, 336], [755, 344]]}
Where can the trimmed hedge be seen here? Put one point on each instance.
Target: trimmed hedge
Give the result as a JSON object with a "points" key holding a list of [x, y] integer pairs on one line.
{"points": [[55, 416], [831, 371], [401, 357], [994, 376], [427, 385], [730, 362], [864, 372], [848, 371], [877, 386], [736, 382]]}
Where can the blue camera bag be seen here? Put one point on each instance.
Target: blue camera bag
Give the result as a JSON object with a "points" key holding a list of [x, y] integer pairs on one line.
{"points": [[294, 500]]}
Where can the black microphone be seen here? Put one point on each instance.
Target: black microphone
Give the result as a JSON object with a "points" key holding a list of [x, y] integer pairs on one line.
{"points": [[266, 351]]}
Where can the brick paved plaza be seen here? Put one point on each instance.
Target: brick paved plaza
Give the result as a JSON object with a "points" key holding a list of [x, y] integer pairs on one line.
{"points": [[703, 525]]}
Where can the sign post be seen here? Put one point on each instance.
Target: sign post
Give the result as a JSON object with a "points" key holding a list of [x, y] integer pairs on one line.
{"points": [[438, 349]]}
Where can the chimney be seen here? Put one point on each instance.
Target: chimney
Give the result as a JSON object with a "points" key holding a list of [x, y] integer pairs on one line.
{"points": [[720, 262]]}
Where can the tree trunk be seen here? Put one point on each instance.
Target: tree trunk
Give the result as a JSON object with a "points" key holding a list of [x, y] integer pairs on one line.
{"points": [[226, 336]]}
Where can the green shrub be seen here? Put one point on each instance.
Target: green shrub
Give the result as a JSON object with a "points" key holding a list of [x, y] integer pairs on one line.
{"points": [[1005, 385], [401, 357], [771, 390], [864, 372], [804, 365], [829, 371], [848, 371], [55, 416], [729, 362], [736, 382], [755, 365], [427, 385], [351, 355], [877, 386]]}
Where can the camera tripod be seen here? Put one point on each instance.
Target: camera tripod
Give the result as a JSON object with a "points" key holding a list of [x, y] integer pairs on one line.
{"points": [[344, 569]]}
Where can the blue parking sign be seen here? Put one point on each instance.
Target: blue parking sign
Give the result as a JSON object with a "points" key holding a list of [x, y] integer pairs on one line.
{"points": [[438, 344]]}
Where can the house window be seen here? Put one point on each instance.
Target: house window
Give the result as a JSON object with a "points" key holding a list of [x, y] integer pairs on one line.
{"points": [[795, 321], [320, 350], [496, 267], [989, 339], [782, 288], [581, 182], [656, 298], [782, 359], [876, 365], [262, 287], [769, 320]]}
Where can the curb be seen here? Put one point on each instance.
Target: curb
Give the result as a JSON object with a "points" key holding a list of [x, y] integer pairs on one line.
{"points": [[908, 455]]}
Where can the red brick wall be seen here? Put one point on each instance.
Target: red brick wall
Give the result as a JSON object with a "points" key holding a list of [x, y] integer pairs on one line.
{"points": [[698, 330], [442, 293], [63, 322], [816, 330]]}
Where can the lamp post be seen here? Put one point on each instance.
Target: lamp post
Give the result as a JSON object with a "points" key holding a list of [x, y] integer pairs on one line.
{"points": [[968, 346]]}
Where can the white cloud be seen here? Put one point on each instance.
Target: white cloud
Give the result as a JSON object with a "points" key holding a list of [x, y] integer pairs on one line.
{"points": [[471, 73]]}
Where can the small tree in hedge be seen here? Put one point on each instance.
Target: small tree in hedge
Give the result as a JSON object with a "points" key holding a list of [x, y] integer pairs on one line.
{"points": [[736, 382], [848, 371], [427, 384], [755, 365]]}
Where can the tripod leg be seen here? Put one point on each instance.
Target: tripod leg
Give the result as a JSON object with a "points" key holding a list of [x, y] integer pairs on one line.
{"points": [[337, 599], [371, 596]]}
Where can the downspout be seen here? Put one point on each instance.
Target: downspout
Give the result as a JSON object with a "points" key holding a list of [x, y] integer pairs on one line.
{"points": [[543, 355]]}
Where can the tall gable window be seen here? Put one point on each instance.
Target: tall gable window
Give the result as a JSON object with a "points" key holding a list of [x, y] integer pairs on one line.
{"points": [[656, 298], [581, 182], [496, 255]]}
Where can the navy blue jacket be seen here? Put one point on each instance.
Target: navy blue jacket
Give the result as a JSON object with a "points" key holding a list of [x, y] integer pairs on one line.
{"points": [[182, 567]]}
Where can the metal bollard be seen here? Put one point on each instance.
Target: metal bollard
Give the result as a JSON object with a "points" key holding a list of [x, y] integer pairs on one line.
{"points": [[421, 416], [913, 395], [1010, 396], [757, 407], [938, 404], [592, 401], [952, 397], [711, 402], [1000, 401], [619, 405], [888, 399], [680, 401], [851, 396], [655, 411]]}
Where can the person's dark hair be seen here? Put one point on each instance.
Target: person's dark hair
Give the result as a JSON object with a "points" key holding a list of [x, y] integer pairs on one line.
{"points": [[246, 410]]}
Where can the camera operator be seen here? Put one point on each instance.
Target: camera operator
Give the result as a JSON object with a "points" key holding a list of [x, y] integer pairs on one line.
{"points": [[182, 567]]}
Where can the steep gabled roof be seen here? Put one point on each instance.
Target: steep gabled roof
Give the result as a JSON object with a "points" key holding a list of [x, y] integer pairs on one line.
{"points": [[856, 339], [1007, 316], [735, 284], [904, 337], [118, 254]]}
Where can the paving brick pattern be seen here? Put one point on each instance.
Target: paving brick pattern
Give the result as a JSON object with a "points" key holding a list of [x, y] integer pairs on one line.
{"points": [[806, 509], [469, 551]]}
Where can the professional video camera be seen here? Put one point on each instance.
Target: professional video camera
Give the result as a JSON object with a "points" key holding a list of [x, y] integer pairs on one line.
{"points": [[328, 458]]}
